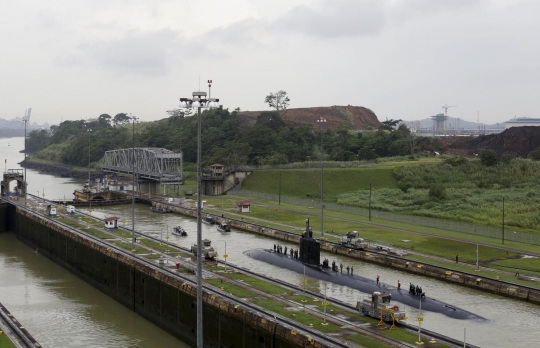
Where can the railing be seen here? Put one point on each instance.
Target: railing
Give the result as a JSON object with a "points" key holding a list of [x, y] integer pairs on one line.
{"points": [[479, 230]]}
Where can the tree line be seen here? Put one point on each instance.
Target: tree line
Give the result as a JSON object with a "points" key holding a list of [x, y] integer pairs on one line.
{"points": [[225, 139]]}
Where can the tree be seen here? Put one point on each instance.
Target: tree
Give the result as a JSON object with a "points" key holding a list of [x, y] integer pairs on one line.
{"points": [[37, 140], [488, 157], [232, 153], [389, 124], [121, 118], [279, 100], [535, 154], [180, 112], [270, 120], [104, 121]]}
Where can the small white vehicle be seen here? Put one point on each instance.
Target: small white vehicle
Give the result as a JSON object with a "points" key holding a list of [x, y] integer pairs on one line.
{"points": [[352, 241], [51, 210]]}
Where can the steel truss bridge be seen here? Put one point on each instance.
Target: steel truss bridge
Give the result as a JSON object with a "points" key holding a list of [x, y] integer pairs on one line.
{"points": [[147, 163]]}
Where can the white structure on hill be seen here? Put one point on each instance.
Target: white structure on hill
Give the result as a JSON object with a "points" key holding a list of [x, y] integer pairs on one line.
{"points": [[522, 121]]}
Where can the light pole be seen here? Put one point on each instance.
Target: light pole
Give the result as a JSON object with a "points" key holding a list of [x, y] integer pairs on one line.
{"points": [[199, 101], [321, 121], [369, 201], [88, 130], [25, 120], [134, 119], [502, 235]]}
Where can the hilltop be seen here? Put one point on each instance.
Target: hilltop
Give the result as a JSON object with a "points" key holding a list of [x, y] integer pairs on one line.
{"points": [[518, 141], [357, 117]]}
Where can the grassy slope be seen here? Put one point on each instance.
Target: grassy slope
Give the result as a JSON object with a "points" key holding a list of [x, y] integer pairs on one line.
{"points": [[465, 201], [303, 182]]}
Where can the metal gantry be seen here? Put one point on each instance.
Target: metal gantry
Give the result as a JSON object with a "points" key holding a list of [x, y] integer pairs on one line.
{"points": [[152, 163]]}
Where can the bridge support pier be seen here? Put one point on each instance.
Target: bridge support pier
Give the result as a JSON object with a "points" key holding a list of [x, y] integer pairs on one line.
{"points": [[150, 187], [13, 175]]}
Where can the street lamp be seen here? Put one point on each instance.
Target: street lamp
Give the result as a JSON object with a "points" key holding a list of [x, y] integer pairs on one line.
{"points": [[321, 121], [25, 119], [134, 119], [199, 101], [88, 130]]}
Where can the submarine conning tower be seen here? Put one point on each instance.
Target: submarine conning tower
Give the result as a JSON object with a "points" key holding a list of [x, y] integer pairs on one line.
{"points": [[310, 248]]}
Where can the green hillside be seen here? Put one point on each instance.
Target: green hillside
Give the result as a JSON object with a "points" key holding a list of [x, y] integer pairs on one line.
{"points": [[306, 182]]}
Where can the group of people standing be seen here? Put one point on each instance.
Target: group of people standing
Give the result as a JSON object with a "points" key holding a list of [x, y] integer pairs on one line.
{"points": [[280, 250], [350, 270], [416, 290]]}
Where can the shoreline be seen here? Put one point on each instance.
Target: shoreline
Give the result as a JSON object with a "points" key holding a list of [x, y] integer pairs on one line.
{"points": [[62, 170]]}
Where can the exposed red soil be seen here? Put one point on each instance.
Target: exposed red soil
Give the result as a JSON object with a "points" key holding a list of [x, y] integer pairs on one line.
{"points": [[356, 116]]}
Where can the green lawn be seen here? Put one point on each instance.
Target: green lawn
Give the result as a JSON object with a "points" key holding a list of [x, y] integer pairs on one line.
{"points": [[298, 316], [5, 342], [526, 266], [257, 283], [306, 182], [367, 342], [230, 288]]}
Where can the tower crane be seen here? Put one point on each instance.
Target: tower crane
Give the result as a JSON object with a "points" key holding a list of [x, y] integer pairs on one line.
{"points": [[446, 107]]}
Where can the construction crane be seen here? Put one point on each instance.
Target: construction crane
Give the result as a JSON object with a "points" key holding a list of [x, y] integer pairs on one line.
{"points": [[446, 107]]}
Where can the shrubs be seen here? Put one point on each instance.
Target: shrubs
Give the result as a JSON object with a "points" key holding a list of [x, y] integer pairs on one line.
{"points": [[437, 192], [535, 154], [488, 157], [455, 161]]}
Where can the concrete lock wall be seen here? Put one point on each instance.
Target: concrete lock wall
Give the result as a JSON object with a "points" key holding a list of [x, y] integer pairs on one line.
{"points": [[7, 211], [167, 301]]}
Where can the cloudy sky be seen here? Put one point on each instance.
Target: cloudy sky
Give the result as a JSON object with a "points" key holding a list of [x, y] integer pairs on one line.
{"points": [[77, 59]]}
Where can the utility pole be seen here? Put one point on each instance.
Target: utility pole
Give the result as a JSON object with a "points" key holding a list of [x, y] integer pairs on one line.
{"points": [[26, 118], [503, 222], [369, 201], [134, 119], [279, 188], [321, 121]]}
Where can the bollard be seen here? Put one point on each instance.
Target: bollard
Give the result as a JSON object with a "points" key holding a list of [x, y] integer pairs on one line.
{"points": [[177, 265]]}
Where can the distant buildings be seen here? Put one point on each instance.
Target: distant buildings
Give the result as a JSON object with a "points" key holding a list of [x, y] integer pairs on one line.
{"points": [[522, 121], [19, 124]]}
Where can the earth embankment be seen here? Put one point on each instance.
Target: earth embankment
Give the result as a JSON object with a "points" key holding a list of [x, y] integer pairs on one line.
{"points": [[357, 117]]}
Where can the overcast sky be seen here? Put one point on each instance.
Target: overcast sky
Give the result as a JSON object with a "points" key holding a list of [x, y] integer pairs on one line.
{"points": [[403, 59]]}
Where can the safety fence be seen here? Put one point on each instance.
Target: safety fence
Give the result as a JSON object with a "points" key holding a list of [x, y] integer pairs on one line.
{"points": [[481, 230]]}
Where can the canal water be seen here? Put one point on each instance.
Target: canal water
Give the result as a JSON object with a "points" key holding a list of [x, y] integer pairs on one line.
{"points": [[510, 322], [59, 309]]}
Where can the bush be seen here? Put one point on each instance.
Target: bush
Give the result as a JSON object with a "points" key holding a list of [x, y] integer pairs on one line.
{"points": [[405, 186], [506, 158], [488, 157], [456, 161], [535, 154], [437, 191]]}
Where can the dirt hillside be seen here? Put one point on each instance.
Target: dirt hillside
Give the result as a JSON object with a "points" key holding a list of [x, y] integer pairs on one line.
{"points": [[358, 117], [518, 141]]}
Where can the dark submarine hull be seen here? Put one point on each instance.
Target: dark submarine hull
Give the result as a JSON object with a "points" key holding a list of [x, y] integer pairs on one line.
{"points": [[360, 283]]}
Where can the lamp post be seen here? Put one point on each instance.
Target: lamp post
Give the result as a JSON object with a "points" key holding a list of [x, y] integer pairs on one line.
{"points": [[199, 101], [321, 121], [369, 201], [502, 235], [134, 119], [26, 118], [88, 130]]}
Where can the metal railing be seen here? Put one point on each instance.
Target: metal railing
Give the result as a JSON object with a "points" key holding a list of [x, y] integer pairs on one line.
{"points": [[457, 226]]}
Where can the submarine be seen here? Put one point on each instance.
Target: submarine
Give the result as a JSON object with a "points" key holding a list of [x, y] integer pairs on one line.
{"points": [[309, 260]]}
